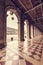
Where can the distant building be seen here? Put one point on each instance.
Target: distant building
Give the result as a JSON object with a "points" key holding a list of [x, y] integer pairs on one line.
{"points": [[11, 31]]}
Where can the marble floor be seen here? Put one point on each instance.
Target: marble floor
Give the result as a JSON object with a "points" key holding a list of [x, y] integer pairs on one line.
{"points": [[22, 53]]}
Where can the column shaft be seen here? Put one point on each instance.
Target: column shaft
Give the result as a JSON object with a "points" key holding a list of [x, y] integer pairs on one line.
{"points": [[29, 30], [22, 29]]}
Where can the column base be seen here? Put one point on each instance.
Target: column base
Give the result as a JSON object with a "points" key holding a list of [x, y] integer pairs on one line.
{"points": [[22, 39], [30, 37], [2, 45]]}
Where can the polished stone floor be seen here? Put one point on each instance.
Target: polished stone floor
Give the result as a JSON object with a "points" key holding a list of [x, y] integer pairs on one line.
{"points": [[22, 53]]}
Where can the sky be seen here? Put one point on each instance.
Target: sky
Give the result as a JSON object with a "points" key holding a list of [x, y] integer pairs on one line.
{"points": [[12, 23]]}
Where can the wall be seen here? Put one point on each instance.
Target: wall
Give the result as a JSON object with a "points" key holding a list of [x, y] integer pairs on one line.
{"points": [[2, 25]]}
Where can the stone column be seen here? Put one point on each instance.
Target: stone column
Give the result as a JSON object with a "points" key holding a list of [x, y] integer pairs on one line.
{"points": [[29, 30], [22, 28], [32, 31], [2, 25]]}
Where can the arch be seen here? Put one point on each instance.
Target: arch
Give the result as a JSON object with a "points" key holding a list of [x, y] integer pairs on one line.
{"points": [[14, 10], [17, 13], [26, 33]]}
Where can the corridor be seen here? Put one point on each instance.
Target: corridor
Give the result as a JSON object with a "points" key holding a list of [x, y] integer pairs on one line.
{"points": [[22, 53], [21, 32]]}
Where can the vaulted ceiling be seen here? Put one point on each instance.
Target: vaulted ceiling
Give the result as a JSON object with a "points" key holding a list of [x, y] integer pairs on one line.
{"points": [[33, 9]]}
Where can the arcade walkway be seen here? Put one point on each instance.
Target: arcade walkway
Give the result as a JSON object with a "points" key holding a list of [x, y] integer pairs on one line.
{"points": [[26, 52], [22, 53]]}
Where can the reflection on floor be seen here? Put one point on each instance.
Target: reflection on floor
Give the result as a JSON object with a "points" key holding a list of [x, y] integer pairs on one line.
{"points": [[22, 53]]}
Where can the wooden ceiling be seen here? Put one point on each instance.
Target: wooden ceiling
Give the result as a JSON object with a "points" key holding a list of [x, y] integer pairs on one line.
{"points": [[32, 8]]}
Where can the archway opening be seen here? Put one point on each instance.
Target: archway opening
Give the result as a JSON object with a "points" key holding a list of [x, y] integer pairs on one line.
{"points": [[25, 29], [12, 26]]}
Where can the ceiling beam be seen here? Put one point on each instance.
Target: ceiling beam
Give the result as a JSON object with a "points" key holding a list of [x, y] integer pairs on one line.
{"points": [[22, 4], [33, 8]]}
